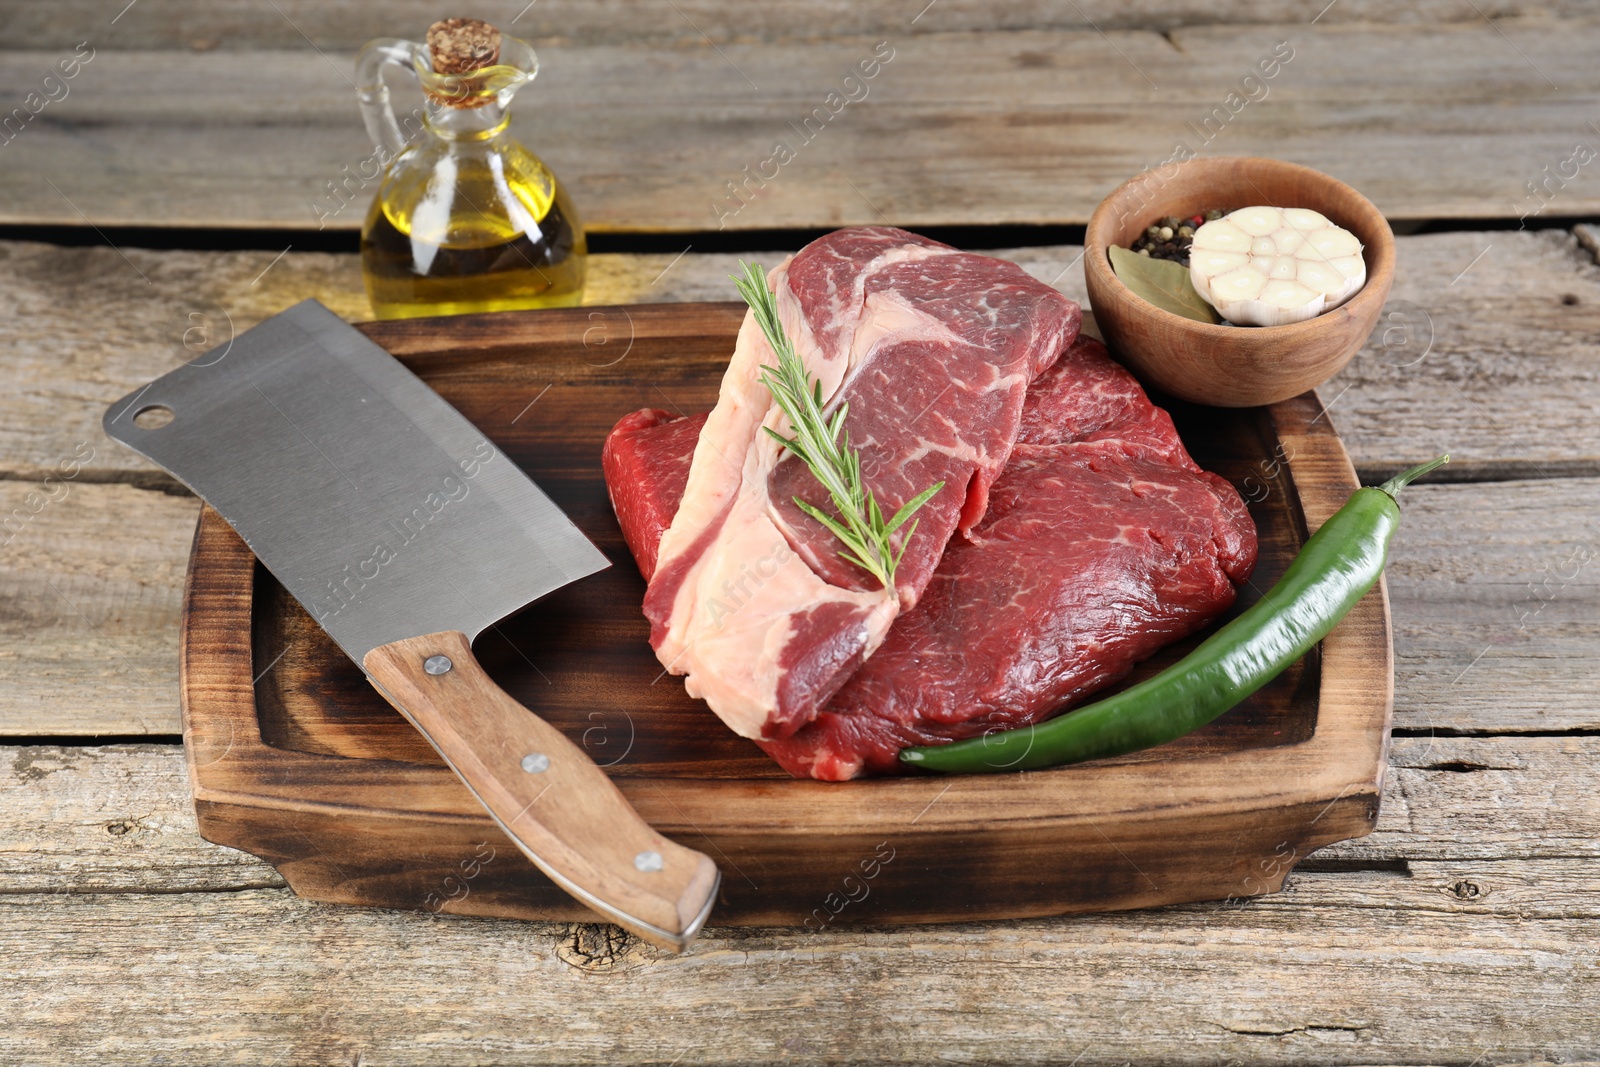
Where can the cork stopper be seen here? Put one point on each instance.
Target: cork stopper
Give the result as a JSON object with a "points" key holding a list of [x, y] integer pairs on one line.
{"points": [[460, 46]]}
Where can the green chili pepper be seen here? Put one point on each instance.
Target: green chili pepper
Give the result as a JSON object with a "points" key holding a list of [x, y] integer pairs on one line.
{"points": [[1334, 570]]}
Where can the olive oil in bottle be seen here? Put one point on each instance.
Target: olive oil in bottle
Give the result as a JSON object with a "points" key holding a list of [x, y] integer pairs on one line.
{"points": [[466, 219]]}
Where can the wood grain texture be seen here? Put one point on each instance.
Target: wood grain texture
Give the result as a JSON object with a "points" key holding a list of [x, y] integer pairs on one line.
{"points": [[118, 819], [86, 322], [1491, 358], [1502, 378], [249, 976], [1427, 121], [109, 819], [1588, 236], [1510, 354], [240, 25], [90, 580], [254, 975], [1463, 581], [1458, 940], [1497, 594], [1470, 910], [566, 813]]}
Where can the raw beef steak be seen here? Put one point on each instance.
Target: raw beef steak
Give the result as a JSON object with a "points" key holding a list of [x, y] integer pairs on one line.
{"points": [[933, 349], [1102, 543]]}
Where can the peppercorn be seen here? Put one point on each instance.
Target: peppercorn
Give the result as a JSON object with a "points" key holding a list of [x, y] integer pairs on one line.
{"points": [[1169, 238]]}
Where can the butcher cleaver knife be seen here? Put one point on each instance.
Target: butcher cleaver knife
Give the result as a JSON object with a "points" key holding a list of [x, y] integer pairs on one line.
{"points": [[406, 533]]}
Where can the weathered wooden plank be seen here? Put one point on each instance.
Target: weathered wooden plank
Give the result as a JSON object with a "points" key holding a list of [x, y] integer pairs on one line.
{"points": [[241, 25], [1527, 888], [1494, 621], [114, 819], [1492, 358], [118, 819], [1459, 798], [1017, 127], [1496, 604], [1481, 944], [1500, 330], [1588, 236], [258, 976], [92, 324], [91, 578]]}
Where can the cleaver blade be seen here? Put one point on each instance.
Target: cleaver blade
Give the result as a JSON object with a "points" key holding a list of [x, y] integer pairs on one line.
{"points": [[406, 533]]}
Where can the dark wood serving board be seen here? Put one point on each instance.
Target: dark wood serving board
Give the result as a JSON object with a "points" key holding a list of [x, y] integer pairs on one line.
{"points": [[295, 758]]}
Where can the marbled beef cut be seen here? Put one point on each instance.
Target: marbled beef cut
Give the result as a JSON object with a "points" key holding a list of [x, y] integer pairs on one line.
{"points": [[1102, 542], [933, 349]]}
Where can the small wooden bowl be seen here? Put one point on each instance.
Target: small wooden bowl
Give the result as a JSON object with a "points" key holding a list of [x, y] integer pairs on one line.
{"points": [[1232, 366]]}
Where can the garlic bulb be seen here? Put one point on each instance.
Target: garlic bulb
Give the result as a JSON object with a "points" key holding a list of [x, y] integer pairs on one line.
{"points": [[1265, 266]]}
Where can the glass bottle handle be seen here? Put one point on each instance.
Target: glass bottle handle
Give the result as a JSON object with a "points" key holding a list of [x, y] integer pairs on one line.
{"points": [[376, 110]]}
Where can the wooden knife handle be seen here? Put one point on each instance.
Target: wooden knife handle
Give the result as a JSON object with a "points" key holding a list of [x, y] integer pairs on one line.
{"points": [[546, 794]]}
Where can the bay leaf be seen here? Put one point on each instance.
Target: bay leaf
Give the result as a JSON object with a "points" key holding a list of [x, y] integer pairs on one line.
{"points": [[1163, 283]]}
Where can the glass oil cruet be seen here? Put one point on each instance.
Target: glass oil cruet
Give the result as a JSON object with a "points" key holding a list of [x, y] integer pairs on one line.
{"points": [[466, 219]]}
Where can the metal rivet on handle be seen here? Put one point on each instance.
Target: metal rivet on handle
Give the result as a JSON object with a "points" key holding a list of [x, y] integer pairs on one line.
{"points": [[536, 763], [648, 861], [437, 664]]}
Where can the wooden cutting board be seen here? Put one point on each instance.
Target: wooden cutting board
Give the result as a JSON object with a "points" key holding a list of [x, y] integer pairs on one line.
{"points": [[293, 757]]}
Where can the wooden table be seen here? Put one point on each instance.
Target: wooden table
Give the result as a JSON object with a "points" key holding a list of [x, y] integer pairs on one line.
{"points": [[1465, 930]]}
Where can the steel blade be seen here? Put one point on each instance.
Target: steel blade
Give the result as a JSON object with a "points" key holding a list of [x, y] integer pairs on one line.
{"points": [[376, 504]]}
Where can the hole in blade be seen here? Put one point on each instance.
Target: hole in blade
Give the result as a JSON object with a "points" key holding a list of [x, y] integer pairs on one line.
{"points": [[152, 416]]}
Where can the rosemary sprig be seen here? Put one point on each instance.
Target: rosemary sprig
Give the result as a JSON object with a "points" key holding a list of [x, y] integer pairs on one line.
{"points": [[823, 445]]}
